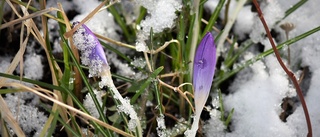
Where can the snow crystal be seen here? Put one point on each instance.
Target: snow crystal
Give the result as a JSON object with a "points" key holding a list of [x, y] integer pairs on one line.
{"points": [[130, 11], [257, 101], [211, 5], [125, 106], [56, 47], [161, 16], [89, 104], [149, 103], [244, 22], [66, 5], [101, 23], [214, 127], [139, 62], [5, 63], [29, 117], [124, 69], [257, 92], [161, 126], [33, 67], [141, 45], [178, 128]]}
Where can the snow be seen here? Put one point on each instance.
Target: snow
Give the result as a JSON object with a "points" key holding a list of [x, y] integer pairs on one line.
{"points": [[161, 126], [33, 67], [125, 105], [161, 15], [139, 62], [101, 23], [257, 102], [215, 125], [28, 116], [297, 121], [5, 63], [308, 52], [244, 22], [257, 92], [272, 13], [88, 103], [124, 69]]}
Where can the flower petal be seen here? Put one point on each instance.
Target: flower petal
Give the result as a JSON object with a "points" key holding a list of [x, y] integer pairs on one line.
{"points": [[92, 52], [203, 70]]}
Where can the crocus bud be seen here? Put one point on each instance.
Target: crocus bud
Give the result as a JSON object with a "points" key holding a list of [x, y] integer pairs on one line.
{"points": [[92, 52], [92, 55], [203, 72]]}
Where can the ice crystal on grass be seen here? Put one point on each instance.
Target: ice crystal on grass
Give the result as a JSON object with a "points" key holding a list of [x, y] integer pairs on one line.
{"points": [[161, 15], [88, 103], [125, 106]]}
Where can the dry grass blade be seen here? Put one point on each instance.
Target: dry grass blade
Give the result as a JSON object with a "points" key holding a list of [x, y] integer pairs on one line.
{"points": [[115, 42], [36, 14], [77, 76], [8, 117], [63, 105], [164, 46], [217, 30], [70, 33]]}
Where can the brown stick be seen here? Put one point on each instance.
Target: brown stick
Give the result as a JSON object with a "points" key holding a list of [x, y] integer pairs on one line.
{"points": [[289, 73]]}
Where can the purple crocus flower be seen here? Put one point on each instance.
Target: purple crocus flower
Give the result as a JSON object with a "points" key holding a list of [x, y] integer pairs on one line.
{"points": [[92, 52], [203, 72], [92, 55]]}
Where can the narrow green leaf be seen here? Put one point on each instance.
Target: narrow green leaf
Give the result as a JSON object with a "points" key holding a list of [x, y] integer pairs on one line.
{"points": [[146, 84]]}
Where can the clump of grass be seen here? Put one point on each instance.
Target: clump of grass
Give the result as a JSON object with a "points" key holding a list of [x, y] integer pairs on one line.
{"points": [[162, 94]]}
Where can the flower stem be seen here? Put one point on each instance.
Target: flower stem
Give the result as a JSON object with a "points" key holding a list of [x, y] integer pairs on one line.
{"points": [[126, 107]]}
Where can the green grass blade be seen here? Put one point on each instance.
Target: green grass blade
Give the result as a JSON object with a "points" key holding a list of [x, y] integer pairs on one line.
{"points": [[213, 17], [85, 80], [218, 81], [146, 84], [227, 122], [35, 82]]}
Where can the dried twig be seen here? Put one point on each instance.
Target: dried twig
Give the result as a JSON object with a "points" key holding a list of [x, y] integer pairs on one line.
{"points": [[289, 73]]}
